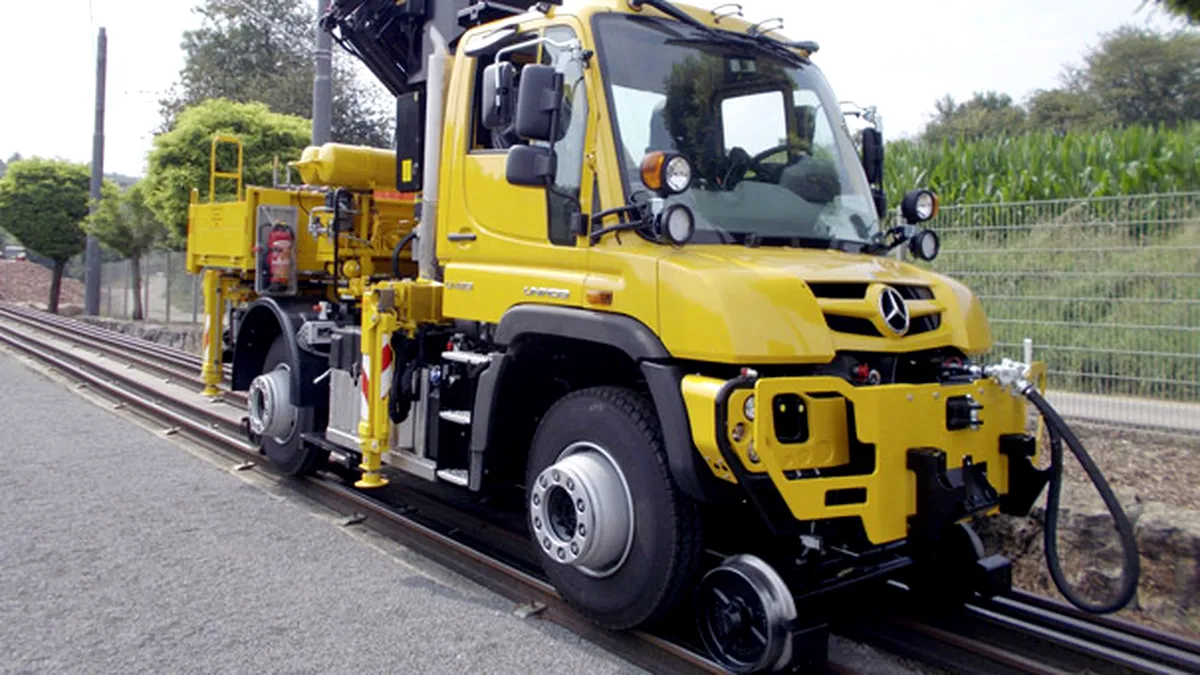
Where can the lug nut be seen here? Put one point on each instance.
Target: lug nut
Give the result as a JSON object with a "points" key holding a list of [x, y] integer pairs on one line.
{"points": [[579, 505]]}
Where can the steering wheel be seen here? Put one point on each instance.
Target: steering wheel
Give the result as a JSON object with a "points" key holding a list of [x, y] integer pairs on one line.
{"points": [[771, 175]]}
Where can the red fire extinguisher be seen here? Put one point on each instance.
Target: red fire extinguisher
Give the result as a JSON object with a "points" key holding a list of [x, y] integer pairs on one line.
{"points": [[279, 256]]}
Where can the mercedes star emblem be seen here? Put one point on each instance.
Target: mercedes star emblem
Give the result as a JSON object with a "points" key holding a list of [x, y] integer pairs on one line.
{"points": [[893, 310]]}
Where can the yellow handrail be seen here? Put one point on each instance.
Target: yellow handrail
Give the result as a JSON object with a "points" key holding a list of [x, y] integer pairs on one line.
{"points": [[213, 174]]}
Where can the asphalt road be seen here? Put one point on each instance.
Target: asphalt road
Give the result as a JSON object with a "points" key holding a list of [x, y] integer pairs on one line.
{"points": [[122, 553]]}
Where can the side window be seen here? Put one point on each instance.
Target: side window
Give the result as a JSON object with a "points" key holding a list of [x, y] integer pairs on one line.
{"points": [[563, 198]]}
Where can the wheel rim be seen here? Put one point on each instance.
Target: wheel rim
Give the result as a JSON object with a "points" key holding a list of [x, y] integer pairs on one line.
{"points": [[270, 405], [581, 511], [743, 611]]}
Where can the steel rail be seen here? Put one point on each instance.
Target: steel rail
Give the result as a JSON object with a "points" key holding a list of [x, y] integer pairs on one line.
{"points": [[1116, 641], [142, 353], [536, 596], [177, 356]]}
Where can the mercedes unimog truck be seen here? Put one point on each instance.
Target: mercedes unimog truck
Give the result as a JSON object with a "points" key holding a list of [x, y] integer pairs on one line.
{"points": [[627, 273]]}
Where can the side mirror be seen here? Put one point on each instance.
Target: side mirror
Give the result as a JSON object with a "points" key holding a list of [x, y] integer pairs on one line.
{"points": [[531, 165], [538, 103], [872, 155], [498, 95]]}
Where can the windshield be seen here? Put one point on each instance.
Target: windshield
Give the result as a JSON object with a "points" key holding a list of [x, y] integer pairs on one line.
{"points": [[773, 161]]}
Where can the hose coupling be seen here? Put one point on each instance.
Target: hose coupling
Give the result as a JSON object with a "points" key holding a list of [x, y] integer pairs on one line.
{"points": [[1010, 374]]}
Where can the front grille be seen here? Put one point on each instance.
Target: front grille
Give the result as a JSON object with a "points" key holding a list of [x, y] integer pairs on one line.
{"points": [[839, 291], [925, 324], [852, 325]]}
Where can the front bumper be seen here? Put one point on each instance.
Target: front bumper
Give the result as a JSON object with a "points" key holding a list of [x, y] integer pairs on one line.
{"points": [[894, 456]]}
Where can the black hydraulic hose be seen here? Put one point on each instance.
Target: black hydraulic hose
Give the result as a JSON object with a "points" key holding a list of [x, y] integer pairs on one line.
{"points": [[396, 253], [1131, 565]]}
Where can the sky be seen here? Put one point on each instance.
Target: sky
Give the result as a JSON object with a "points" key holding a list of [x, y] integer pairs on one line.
{"points": [[900, 57]]}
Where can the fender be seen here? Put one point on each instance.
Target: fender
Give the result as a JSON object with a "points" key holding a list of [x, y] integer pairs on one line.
{"points": [[643, 347], [617, 330], [264, 320]]}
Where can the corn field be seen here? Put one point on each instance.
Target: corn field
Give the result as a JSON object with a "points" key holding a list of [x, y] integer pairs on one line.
{"points": [[1043, 166]]}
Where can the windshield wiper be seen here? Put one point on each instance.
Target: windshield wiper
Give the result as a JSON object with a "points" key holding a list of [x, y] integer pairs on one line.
{"points": [[764, 43]]}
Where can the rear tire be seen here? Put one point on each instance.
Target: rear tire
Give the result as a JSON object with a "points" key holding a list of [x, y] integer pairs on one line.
{"points": [[650, 572], [286, 452]]}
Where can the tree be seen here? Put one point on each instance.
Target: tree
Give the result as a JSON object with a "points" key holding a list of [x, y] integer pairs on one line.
{"points": [[261, 50], [1063, 110], [985, 114], [43, 203], [179, 160], [1138, 76], [124, 223], [1189, 10]]}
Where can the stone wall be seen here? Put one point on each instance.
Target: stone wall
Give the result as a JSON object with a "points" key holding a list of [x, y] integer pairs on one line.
{"points": [[1168, 541], [189, 338]]}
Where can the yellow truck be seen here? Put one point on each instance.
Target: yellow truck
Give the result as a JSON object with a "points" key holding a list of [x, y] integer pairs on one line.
{"points": [[626, 269]]}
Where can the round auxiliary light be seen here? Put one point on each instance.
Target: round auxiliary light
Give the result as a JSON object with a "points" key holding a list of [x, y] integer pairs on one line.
{"points": [[925, 245], [678, 224], [919, 206], [748, 408], [666, 173]]}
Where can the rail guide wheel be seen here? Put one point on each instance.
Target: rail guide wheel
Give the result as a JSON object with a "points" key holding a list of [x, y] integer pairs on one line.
{"points": [[748, 621]]}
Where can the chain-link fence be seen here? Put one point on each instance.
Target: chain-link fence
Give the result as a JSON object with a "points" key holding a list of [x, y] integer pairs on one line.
{"points": [[1107, 289], [168, 293]]}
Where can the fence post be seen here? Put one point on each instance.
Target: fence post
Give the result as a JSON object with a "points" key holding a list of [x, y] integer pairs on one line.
{"points": [[168, 276], [125, 291], [146, 293], [1028, 343]]}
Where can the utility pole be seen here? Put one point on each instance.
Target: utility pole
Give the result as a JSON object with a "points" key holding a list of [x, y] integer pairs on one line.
{"points": [[322, 81], [91, 296]]}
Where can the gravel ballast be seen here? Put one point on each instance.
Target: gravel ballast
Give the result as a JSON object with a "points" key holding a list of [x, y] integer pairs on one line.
{"points": [[121, 553]]}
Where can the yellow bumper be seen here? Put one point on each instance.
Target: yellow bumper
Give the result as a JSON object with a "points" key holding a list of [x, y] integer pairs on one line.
{"points": [[828, 449]]}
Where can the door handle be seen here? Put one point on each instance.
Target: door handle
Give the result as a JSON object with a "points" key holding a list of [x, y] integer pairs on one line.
{"points": [[461, 236]]}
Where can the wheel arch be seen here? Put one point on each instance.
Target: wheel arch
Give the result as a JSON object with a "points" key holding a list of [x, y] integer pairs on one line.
{"points": [[620, 349], [265, 320]]}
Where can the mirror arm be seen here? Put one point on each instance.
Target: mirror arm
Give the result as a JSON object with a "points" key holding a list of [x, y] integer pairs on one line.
{"points": [[632, 210]]}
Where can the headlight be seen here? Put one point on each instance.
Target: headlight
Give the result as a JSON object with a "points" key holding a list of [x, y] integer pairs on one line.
{"points": [[666, 173], [919, 206], [925, 245], [677, 223], [748, 408], [678, 174]]}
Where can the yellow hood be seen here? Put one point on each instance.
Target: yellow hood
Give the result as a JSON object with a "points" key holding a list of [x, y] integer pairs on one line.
{"points": [[741, 305]]}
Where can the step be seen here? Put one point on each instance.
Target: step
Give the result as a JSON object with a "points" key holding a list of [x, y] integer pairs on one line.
{"points": [[462, 417], [458, 477], [470, 358]]}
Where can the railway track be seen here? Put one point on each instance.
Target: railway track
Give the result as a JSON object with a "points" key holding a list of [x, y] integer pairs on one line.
{"points": [[1016, 633]]}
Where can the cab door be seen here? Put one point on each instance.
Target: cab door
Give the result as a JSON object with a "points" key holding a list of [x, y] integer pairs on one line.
{"points": [[502, 244]]}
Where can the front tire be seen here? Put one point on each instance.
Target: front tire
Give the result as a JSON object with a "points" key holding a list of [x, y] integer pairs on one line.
{"points": [[598, 459], [269, 401]]}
